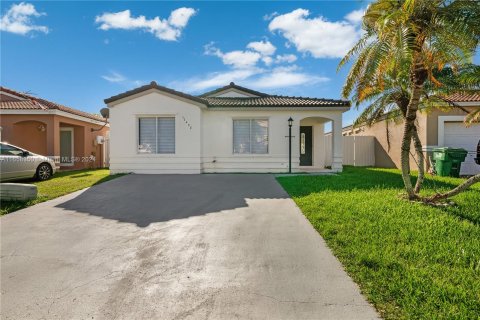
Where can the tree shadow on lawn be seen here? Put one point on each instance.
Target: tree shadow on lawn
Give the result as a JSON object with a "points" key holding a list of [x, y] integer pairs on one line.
{"points": [[369, 179], [146, 199]]}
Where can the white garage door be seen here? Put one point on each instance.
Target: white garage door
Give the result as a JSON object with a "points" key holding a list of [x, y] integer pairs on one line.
{"points": [[458, 136]]}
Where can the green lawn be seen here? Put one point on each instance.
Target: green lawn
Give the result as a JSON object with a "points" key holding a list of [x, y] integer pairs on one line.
{"points": [[412, 261], [62, 183]]}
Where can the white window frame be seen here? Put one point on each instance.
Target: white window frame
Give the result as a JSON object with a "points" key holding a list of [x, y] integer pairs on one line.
{"points": [[72, 163], [137, 128], [250, 154]]}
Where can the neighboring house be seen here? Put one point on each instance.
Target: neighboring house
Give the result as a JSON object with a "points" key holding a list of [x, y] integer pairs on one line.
{"points": [[54, 130], [436, 129], [232, 129]]}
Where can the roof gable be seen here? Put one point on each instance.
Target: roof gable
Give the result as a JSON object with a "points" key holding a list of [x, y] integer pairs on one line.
{"points": [[226, 91]]}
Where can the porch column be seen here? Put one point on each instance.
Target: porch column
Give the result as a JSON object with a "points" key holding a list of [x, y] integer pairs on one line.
{"points": [[53, 136], [337, 144]]}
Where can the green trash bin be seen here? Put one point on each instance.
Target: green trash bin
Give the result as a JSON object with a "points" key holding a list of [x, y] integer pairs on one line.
{"points": [[457, 156], [448, 161], [443, 163]]}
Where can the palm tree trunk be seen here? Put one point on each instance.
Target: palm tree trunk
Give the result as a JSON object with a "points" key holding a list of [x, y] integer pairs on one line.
{"points": [[405, 161], [464, 186], [409, 131], [418, 77], [420, 161]]}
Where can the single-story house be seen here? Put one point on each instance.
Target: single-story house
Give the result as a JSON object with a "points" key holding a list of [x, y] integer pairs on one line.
{"points": [[75, 139], [155, 129], [437, 128]]}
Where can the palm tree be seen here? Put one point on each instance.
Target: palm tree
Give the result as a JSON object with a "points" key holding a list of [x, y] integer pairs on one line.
{"points": [[389, 100], [411, 39]]}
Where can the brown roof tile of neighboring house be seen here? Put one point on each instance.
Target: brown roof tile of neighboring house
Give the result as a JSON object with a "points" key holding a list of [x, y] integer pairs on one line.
{"points": [[263, 100], [22, 105], [473, 96], [33, 103]]}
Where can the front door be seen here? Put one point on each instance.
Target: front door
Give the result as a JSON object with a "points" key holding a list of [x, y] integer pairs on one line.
{"points": [[306, 145], [66, 147]]}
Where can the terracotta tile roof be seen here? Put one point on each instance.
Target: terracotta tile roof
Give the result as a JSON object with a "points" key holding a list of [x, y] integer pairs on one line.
{"points": [[34, 103], [21, 105], [473, 96], [263, 100], [274, 101]]}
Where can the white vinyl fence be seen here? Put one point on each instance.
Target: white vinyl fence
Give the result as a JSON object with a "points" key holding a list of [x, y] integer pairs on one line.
{"points": [[357, 151]]}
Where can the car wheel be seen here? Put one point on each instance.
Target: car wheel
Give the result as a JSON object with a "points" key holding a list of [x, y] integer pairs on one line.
{"points": [[44, 172]]}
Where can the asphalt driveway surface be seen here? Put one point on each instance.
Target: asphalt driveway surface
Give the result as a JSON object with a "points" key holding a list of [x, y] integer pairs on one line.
{"points": [[221, 246]]}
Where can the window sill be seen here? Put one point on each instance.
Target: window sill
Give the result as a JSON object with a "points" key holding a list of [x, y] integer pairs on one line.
{"points": [[251, 154], [156, 154]]}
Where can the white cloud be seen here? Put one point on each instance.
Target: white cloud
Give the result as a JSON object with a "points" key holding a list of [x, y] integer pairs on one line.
{"points": [[255, 67], [241, 59], [215, 79], [283, 78], [288, 58], [165, 29], [270, 16], [18, 19], [266, 48], [255, 78], [179, 18], [237, 59], [267, 60], [114, 77], [355, 16], [317, 36]]}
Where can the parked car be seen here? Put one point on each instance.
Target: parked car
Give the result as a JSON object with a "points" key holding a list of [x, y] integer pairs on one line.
{"points": [[17, 163]]}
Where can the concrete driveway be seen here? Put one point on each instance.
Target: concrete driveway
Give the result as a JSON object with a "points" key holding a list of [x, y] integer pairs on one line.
{"points": [[222, 246]]}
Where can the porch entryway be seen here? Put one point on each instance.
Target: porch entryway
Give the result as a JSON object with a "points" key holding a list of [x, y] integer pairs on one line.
{"points": [[313, 153]]}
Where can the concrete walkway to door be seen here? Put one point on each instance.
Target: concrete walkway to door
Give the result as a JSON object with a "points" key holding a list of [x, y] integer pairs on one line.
{"points": [[227, 246]]}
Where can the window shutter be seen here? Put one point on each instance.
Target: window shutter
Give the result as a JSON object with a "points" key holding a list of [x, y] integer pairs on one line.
{"points": [[241, 136], [166, 135], [147, 135], [259, 136]]}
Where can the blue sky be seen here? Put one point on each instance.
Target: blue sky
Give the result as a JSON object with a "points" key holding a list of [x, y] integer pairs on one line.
{"points": [[78, 53]]}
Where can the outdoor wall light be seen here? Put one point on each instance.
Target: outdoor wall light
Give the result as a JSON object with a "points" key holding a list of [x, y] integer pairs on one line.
{"points": [[290, 123]]}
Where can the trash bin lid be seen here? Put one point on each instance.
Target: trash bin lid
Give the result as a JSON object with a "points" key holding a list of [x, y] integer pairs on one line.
{"points": [[456, 150]]}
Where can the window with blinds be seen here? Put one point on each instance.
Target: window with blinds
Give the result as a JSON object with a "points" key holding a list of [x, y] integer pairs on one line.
{"points": [[156, 135], [250, 136]]}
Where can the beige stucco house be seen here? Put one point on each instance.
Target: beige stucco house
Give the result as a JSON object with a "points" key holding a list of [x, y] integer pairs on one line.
{"points": [[75, 139], [155, 129], [436, 129]]}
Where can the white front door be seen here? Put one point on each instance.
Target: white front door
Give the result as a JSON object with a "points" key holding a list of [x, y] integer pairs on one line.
{"points": [[459, 136], [66, 147]]}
